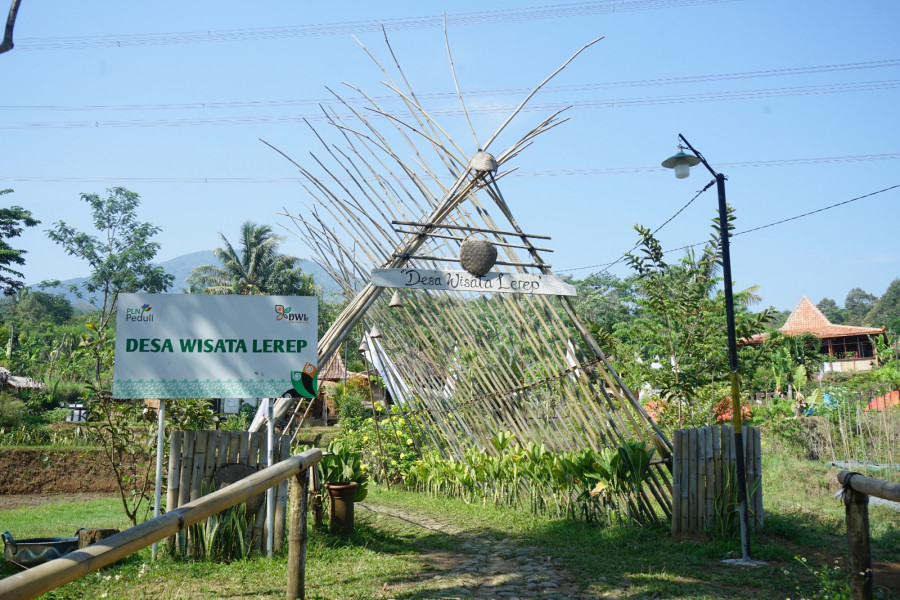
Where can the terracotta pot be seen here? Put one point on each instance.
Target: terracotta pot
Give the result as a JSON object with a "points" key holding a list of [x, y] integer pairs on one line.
{"points": [[341, 510]]}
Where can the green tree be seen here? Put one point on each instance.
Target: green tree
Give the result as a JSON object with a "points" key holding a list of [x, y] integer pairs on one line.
{"points": [[831, 310], [603, 302], [13, 221], [120, 258], [29, 306], [255, 267], [678, 342], [857, 305], [886, 310]]}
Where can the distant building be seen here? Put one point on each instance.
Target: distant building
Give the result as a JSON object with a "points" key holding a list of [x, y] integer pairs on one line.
{"points": [[848, 348]]}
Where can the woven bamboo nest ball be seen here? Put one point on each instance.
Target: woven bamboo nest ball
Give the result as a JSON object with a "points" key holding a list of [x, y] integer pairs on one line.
{"points": [[483, 161], [477, 255]]}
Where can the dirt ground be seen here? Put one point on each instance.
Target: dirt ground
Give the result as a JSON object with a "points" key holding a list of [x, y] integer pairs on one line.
{"points": [[49, 472]]}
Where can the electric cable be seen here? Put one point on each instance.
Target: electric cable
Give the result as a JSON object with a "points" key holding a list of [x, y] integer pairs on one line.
{"points": [[735, 234]]}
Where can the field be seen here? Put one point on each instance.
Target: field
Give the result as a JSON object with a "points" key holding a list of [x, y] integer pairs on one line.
{"points": [[409, 545]]}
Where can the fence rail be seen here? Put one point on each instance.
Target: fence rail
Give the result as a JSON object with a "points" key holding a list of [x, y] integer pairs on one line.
{"points": [[857, 489], [55, 573]]}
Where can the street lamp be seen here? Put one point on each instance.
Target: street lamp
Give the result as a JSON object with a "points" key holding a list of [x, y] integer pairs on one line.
{"points": [[682, 163]]}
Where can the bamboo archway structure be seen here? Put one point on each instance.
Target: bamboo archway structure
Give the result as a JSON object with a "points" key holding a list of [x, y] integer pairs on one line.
{"points": [[460, 365]]}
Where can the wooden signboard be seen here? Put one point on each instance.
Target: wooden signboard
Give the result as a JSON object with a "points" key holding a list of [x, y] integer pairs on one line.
{"points": [[463, 281]]}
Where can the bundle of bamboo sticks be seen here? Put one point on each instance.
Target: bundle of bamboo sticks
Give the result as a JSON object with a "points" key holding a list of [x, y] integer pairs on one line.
{"points": [[469, 364]]}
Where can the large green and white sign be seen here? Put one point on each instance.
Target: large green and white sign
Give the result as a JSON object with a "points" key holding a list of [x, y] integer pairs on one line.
{"points": [[198, 346]]}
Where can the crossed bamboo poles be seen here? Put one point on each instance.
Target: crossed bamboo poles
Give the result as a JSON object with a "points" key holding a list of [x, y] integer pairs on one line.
{"points": [[463, 389]]}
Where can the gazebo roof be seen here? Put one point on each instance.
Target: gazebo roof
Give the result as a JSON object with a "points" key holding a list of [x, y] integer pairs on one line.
{"points": [[807, 318]]}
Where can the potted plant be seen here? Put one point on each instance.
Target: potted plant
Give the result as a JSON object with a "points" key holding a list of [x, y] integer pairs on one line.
{"points": [[346, 483]]}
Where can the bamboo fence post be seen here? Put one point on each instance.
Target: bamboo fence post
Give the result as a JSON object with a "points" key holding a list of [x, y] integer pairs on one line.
{"points": [[174, 476], [281, 492], [857, 515], [297, 536]]}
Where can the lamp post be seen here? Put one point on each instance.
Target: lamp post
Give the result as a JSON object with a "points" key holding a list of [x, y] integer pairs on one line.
{"points": [[682, 163]]}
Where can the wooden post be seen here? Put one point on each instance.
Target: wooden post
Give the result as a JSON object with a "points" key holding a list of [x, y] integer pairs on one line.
{"points": [[317, 510], [857, 509], [296, 583]]}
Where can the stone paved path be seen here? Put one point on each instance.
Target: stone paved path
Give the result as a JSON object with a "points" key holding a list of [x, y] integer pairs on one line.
{"points": [[489, 568]]}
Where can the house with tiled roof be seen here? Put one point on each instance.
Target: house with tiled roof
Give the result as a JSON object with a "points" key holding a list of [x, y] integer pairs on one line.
{"points": [[849, 348]]}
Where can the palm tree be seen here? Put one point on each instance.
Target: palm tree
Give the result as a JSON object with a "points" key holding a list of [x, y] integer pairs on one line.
{"points": [[255, 267]]}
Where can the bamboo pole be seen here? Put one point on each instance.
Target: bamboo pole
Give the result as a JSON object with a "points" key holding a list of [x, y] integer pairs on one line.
{"points": [[297, 536]]}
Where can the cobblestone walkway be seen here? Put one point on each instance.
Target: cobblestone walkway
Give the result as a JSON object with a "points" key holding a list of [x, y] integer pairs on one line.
{"points": [[487, 568]]}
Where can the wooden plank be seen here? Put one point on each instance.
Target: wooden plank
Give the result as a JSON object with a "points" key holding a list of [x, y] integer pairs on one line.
{"points": [[284, 450], [187, 461], [702, 434], [244, 447], [715, 483], [676, 481], [174, 477], [209, 468], [233, 441], [174, 471], [692, 480], [221, 451], [198, 464], [253, 451], [709, 485], [497, 281]]}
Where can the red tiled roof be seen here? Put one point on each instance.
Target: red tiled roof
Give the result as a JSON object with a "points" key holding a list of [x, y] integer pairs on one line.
{"points": [[806, 317]]}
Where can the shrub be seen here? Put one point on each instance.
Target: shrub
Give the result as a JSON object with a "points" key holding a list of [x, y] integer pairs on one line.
{"points": [[11, 410]]}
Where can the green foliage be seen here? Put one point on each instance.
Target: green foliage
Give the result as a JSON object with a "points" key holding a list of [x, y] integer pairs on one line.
{"points": [[128, 445], [121, 258], [885, 312], [190, 414], [388, 445], [223, 537], [237, 422], [593, 485], [343, 465], [11, 410], [13, 221], [678, 341], [255, 267], [727, 506]]}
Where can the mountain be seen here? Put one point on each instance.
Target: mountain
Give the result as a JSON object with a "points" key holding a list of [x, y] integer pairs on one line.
{"points": [[181, 267]]}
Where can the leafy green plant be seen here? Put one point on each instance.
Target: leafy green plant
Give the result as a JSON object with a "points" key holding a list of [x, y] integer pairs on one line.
{"points": [[191, 414], [343, 465], [726, 505], [11, 410]]}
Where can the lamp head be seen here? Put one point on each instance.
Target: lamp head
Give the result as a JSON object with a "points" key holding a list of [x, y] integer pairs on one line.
{"points": [[681, 163]]}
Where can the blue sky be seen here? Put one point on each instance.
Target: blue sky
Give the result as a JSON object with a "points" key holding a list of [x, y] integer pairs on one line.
{"points": [[796, 102]]}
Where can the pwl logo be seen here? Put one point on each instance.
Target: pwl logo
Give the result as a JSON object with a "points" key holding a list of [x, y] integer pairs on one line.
{"points": [[283, 313], [141, 314]]}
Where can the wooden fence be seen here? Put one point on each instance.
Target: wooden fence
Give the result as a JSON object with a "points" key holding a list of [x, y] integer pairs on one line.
{"points": [[703, 477], [857, 489], [196, 456], [55, 573]]}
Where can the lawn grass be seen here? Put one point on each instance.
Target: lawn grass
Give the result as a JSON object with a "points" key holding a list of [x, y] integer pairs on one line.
{"points": [[388, 558]]}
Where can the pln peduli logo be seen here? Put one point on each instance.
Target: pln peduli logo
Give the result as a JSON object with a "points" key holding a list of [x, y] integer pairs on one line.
{"points": [[283, 313], [306, 382], [138, 315]]}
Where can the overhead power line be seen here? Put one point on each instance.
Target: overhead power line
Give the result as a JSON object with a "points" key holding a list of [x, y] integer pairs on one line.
{"points": [[784, 162], [606, 266], [532, 13], [833, 88], [578, 87]]}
